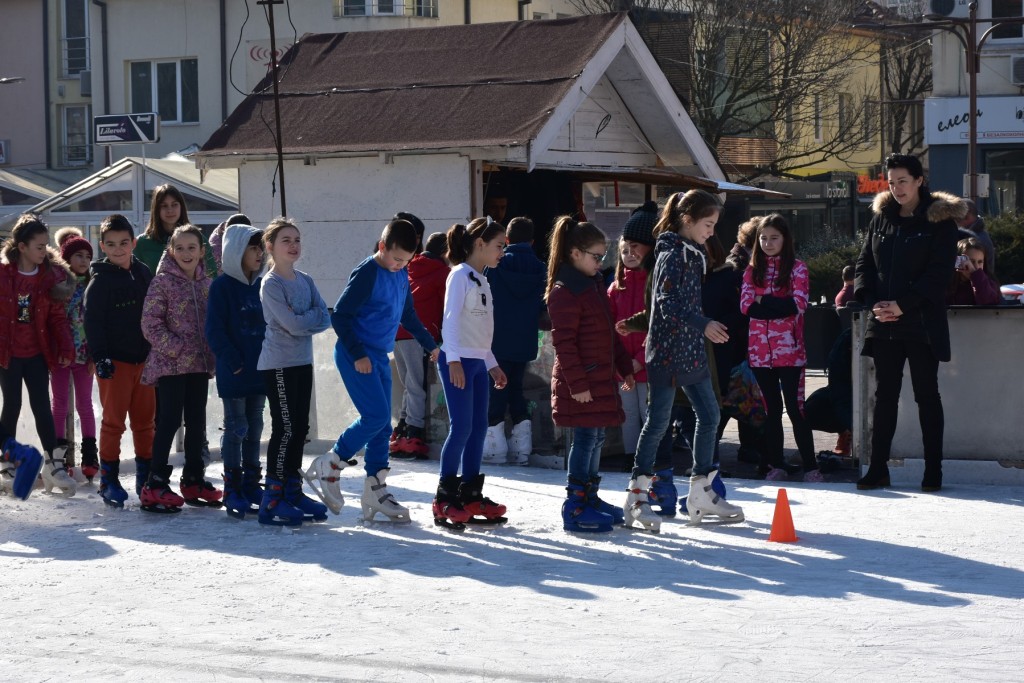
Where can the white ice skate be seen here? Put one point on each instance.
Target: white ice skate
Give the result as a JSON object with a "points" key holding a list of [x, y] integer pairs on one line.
{"points": [[495, 445], [377, 498], [323, 476], [702, 501], [638, 508], [520, 444], [55, 474]]}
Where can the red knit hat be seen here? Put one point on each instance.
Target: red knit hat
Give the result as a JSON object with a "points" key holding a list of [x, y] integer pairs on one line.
{"points": [[75, 244]]}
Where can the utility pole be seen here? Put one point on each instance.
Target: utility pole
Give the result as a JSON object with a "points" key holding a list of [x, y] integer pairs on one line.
{"points": [[269, 4]]}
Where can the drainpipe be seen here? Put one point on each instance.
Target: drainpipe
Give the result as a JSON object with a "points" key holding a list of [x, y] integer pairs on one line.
{"points": [[46, 84], [223, 63], [467, 12], [108, 151]]}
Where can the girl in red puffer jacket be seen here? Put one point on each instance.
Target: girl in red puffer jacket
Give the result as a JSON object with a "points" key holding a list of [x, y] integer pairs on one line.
{"points": [[774, 295], [34, 337]]}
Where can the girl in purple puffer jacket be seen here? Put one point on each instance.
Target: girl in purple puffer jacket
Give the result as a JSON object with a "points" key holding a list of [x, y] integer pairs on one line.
{"points": [[180, 364]]}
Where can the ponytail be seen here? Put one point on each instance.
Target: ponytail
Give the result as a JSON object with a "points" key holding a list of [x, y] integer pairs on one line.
{"points": [[462, 238], [27, 227], [696, 204], [569, 234]]}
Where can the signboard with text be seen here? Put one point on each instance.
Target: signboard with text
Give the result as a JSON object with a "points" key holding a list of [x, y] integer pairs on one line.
{"points": [[947, 120], [123, 129]]}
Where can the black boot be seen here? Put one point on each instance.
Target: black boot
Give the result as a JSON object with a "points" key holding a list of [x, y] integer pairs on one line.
{"points": [[877, 476], [90, 458], [447, 508], [932, 480]]}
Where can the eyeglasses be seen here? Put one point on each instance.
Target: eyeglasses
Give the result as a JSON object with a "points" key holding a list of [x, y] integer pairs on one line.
{"points": [[596, 257]]}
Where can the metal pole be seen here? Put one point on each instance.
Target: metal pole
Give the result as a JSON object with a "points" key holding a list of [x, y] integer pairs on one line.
{"points": [[972, 80], [277, 105]]}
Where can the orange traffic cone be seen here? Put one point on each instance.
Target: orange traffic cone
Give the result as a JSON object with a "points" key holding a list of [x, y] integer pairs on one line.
{"points": [[782, 522]]}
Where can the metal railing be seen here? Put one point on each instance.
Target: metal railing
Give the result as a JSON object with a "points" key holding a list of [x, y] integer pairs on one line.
{"points": [[74, 56], [387, 8], [75, 155]]}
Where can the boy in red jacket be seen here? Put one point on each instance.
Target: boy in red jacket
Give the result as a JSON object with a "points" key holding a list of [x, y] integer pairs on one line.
{"points": [[428, 272]]}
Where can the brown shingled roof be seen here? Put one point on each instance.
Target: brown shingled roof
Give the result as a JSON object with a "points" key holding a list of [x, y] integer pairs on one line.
{"points": [[478, 85]]}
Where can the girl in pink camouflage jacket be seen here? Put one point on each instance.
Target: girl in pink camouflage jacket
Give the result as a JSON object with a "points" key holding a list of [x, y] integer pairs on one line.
{"points": [[180, 363], [774, 295]]}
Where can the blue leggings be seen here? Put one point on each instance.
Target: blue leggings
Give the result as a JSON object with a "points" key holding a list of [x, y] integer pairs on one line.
{"points": [[371, 395], [467, 411]]}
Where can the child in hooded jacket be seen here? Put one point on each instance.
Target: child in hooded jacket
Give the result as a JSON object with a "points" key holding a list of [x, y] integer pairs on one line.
{"points": [[588, 354], [235, 329], [34, 337], [774, 295], [77, 253], [180, 364]]}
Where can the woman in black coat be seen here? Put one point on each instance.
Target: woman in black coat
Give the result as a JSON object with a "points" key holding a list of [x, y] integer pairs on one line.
{"points": [[902, 275]]}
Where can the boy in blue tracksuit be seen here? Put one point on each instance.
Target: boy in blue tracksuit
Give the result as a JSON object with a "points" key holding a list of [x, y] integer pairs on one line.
{"points": [[366, 317], [235, 329], [518, 285]]}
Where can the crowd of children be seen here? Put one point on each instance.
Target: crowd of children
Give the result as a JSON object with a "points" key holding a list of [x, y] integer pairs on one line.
{"points": [[156, 318]]}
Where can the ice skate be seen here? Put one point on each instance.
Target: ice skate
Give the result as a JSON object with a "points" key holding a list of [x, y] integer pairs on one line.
{"points": [[111, 491], [614, 511], [520, 444], [397, 434], [323, 476], [198, 492], [55, 473], [638, 508], [495, 445], [157, 495], [447, 508], [141, 474], [251, 486], [90, 458], [312, 511], [663, 493], [412, 445], [274, 509], [376, 498], [579, 515], [20, 466], [235, 502], [69, 461], [703, 500], [483, 510]]}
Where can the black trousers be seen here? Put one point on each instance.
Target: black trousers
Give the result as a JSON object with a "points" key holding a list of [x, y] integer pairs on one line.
{"points": [[289, 392], [182, 397], [890, 356], [36, 376], [510, 398], [789, 379]]}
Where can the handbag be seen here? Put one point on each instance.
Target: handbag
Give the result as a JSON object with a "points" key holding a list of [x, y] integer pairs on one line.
{"points": [[744, 400]]}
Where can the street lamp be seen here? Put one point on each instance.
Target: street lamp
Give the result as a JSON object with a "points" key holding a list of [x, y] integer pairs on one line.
{"points": [[966, 31]]}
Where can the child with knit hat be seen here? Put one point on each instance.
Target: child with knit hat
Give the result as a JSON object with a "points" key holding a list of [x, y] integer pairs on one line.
{"points": [[77, 253], [626, 299]]}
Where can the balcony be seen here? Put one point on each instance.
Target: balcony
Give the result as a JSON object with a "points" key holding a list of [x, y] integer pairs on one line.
{"points": [[386, 8]]}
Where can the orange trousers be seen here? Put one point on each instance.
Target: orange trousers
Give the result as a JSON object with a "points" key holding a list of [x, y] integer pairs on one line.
{"points": [[124, 395]]}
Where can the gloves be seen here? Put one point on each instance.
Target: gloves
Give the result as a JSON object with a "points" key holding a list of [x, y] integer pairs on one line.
{"points": [[105, 368]]}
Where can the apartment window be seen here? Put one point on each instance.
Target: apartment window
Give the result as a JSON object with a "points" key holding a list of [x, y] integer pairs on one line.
{"points": [[870, 121], [75, 37], [368, 8], [75, 143], [817, 119], [845, 112], [1007, 9], [170, 88]]}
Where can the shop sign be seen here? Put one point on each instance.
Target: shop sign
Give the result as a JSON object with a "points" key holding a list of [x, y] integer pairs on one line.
{"points": [[947, 120], [866, 185]]}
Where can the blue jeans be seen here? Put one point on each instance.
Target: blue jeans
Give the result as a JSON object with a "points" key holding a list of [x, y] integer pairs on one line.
{"points": [[585, 453], [659, 414], [371, 395], [243, 427], [467, 413]]}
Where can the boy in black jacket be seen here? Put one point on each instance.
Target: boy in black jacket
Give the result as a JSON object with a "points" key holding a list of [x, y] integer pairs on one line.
{"points": [[113, 328]]}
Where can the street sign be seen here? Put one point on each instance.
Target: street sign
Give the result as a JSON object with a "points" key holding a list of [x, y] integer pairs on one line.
{"points": [[120, 129]]}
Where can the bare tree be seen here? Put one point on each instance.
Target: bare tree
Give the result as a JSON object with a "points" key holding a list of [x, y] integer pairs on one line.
{"points": [[906, 79], [774, 80]]}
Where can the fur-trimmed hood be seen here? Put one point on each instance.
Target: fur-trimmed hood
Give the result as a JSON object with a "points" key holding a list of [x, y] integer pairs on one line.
{"points": [[941, 206]]}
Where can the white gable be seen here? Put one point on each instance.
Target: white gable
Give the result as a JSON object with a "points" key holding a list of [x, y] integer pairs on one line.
{"points": [[601, 132]]}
